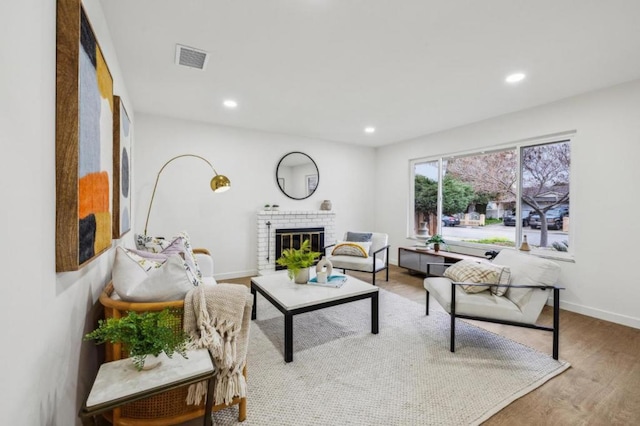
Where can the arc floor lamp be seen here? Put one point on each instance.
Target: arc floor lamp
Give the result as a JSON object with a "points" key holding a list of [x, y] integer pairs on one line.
{"points": [[219, 183]]}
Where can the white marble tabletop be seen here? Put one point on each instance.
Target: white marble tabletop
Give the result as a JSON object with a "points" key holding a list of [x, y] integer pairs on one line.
{"points": [[120, 379], [294, 296]]}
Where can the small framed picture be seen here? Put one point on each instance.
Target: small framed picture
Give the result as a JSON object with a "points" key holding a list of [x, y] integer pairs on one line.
{"points": [[312, 183]]}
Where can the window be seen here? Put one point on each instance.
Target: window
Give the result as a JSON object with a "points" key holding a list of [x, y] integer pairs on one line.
{"points": [[496, 198]]}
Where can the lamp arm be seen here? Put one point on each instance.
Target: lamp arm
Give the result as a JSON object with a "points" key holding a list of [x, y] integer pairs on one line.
{"points": [[155, 186]]}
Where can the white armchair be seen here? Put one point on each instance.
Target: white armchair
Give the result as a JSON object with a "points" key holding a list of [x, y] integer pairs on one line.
{"points": [[377, 258], [531, 281]]}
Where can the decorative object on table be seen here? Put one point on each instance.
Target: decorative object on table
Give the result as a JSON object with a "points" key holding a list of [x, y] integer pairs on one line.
{"points": [[326, 205], [267, 207], [148, 333], [324, 268], [335, 281], [219, 183], [298, 262], [436, 240], [525, 245], [275, 207], [84, 100]]}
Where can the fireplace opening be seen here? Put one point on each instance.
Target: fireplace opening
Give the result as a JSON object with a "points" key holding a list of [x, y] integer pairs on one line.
{"points": [[293, 238]]}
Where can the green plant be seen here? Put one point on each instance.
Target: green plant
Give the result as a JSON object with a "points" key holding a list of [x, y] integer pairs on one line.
{"points": [[297, 259], [435, 239], [148, 333]]}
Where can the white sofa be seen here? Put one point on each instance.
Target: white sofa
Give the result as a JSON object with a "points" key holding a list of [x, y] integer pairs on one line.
{"points": [[531, 282]]}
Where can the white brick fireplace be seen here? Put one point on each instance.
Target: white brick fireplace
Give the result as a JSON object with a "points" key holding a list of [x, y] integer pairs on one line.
{"points": [[269, 221]]}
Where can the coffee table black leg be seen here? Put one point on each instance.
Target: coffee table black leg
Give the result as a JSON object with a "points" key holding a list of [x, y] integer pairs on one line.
{"points": [[288, 337], [253, 308], [374, 313]]}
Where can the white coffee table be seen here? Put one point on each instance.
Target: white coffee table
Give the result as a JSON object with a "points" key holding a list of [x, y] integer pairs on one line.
{"points": [[293, 299]]}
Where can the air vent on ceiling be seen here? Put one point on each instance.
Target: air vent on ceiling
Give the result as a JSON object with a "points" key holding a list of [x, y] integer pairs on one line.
{"points": [[190, 57]]}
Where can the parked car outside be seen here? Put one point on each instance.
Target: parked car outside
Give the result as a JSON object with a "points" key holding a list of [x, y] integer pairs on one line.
{"points": [[509, 219], [553, 218], [450, 220]]}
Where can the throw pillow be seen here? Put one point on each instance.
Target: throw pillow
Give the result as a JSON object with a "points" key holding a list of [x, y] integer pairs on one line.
{"points": [[133, 283], [151, 244], [351, 248], [505, 279], [359, 237], [469, 271], [180, 244]]}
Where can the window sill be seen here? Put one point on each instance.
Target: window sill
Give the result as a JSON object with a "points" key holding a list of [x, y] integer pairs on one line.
{"points": [[480, 249]]}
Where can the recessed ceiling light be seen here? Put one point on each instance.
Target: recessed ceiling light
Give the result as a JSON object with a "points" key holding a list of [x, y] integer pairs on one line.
{"points": [[369, 129], [230, 103], [515, 78]]}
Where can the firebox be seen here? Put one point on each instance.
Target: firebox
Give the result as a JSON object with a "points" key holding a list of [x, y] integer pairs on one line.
{"points": [[293, 238]]}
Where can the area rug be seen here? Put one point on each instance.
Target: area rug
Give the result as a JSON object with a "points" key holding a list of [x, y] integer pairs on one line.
{"points": [[342, 374]]}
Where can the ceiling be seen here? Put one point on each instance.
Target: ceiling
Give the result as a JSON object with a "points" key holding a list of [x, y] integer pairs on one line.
{"points": [[328, 68]]}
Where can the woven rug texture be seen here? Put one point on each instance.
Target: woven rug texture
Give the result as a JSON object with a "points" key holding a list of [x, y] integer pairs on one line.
{"points": [[342, 374]]}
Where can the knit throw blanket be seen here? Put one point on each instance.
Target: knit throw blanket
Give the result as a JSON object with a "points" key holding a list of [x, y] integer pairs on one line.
{"points": [[218, 318]]}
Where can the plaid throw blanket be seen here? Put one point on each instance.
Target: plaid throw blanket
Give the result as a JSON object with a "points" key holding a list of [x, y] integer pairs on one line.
{"points": [[218, 318]]}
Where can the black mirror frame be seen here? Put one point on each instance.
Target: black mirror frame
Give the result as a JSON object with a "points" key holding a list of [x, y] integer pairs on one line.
{"points": [[317, 173]]}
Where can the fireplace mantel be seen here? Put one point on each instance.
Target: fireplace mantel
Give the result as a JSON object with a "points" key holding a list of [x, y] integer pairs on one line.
{"points": [[269, 221]]}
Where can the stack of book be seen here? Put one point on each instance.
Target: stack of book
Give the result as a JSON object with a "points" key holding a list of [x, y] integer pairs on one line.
{"points": [[332, 281]]}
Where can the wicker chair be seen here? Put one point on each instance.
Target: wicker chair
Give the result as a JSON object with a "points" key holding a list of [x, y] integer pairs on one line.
{"points": [[168, 408]]}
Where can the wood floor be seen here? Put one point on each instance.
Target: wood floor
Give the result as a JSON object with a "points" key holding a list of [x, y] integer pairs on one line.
{"points": [[602, 387]]}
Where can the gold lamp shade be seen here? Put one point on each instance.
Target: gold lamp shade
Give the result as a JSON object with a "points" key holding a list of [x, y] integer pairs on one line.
{"points": [[220, 183]]}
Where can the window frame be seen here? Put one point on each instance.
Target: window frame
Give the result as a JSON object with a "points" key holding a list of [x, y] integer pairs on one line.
{"points": [[518, 147]]}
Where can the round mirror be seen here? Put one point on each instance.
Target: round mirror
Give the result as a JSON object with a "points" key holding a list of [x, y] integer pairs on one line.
{"points": [[297, 175]]}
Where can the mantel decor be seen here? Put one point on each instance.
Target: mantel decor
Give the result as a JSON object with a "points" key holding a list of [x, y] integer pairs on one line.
{"points": [[219, 183], [84, 141]]}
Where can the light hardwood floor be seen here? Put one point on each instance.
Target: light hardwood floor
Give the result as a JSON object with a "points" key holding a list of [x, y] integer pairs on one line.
{"points": [[602, 387]]}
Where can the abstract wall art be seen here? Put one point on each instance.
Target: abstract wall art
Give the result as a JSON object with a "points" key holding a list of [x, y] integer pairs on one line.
{"points": [[121, 169], [84, 141]]}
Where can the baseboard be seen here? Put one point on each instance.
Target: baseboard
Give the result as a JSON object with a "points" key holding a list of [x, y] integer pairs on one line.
{"points": [[600, 314]]}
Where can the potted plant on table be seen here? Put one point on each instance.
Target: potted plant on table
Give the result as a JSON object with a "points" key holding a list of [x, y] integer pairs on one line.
{"points": [[298, 261], [436, 240], [144, 336]]}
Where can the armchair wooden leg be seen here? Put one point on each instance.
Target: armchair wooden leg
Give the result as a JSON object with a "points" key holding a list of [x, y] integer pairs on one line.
{"points": [[242, 410], [242, 405]]}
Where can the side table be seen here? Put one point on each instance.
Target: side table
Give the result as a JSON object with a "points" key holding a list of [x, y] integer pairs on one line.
{"points": [[119, 383]]}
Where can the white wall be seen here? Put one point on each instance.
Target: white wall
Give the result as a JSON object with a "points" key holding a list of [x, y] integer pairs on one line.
{"points": [[604, 201], [226, 223], [45, 366]]}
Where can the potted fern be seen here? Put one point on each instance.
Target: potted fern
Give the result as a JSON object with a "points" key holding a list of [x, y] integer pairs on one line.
{"points": [[436, 240], [144, 336], [298, 261]]}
